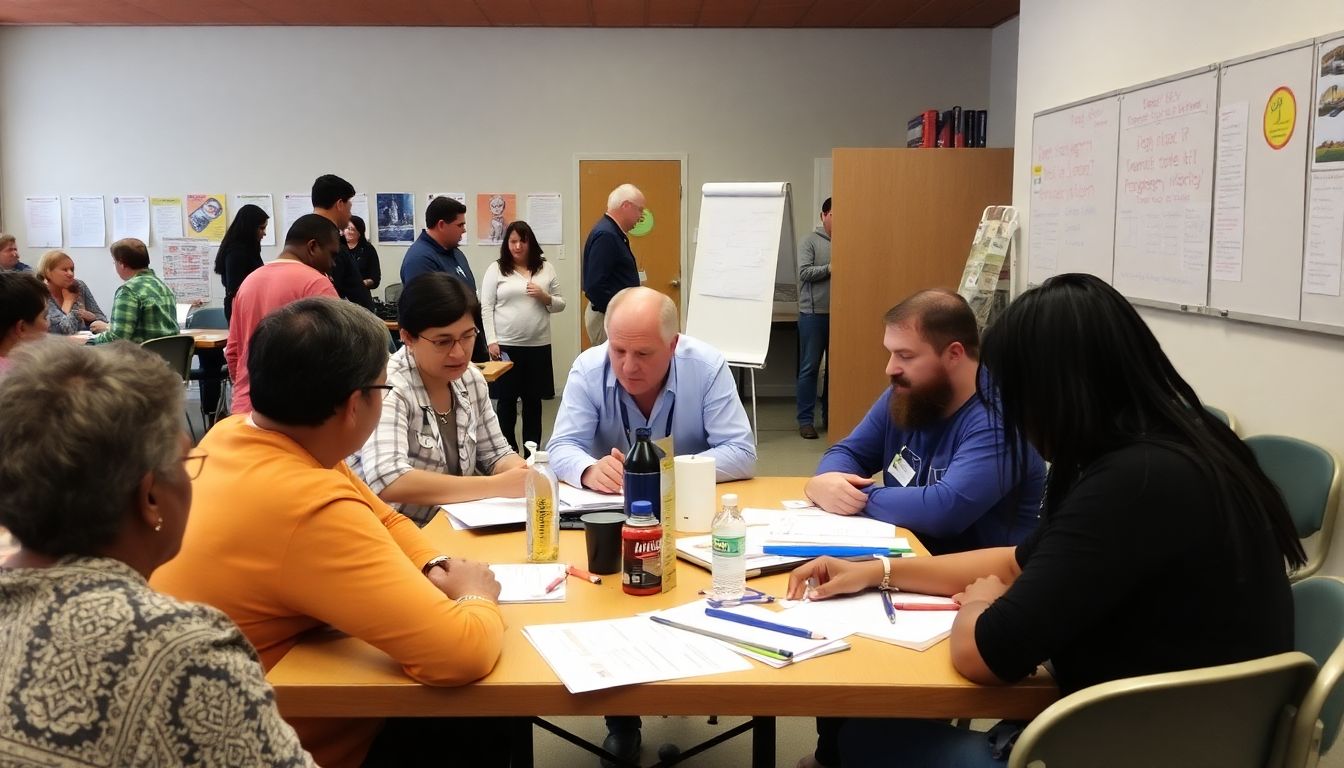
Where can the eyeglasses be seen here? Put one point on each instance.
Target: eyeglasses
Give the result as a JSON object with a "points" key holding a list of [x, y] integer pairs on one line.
{"points": [[193, 463], [466, 343], [384, 387]]}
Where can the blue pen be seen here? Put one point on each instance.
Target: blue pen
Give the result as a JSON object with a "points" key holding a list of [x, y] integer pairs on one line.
{"points": [[813, 550], [760, 624], [888, 607]]}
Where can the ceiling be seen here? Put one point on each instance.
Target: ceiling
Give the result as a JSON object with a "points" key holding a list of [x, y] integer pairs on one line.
{"points": [[517, 13]]}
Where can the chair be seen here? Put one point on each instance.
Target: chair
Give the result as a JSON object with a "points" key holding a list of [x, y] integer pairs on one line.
{"points": [[177, 351], [1318, 629], [1308, 477], [213, 319], [1231, 715], [392, 293], [1223, 416]]}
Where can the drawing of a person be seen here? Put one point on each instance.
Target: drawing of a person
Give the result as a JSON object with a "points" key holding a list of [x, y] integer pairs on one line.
{"points": [[497, 223]]}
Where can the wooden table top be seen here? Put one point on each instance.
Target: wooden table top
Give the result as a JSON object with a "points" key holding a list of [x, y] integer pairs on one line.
{"points": [[493, 369], [208, 338], [336, 676]]}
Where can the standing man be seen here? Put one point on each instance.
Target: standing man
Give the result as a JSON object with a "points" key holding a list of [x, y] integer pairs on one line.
{"points": [[608, 263], [814, 320], [9, 255], [331, 200], [300, 271], [436, 251]]}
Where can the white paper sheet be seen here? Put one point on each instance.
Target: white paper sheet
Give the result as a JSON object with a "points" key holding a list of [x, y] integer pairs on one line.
{"points": [[167, 215], [130, 217], [499, 510], [545, 215], [359, 206], [592, 655], [1229, 193], [796, 527], [583, 498], [88, 222], [42, 220], [693, 615], [1325, 233], [527, 582], [263, 201], [863, 614], [297, 204]]}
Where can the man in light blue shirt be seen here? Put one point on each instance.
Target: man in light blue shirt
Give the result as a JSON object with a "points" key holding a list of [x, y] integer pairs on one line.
{"points": [[648, 375]]}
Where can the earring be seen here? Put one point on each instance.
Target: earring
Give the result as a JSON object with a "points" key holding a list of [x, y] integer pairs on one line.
{"points": [[158, 525]]}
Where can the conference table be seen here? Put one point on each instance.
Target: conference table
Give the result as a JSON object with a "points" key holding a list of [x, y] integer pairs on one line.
{"points": [[329, 675]]}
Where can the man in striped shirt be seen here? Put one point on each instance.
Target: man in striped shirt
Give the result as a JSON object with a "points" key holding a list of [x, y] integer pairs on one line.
{"points": [[144, 306]]}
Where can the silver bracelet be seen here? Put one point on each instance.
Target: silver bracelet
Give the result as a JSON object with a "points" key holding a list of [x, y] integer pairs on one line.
{"points": [[474, 597]]}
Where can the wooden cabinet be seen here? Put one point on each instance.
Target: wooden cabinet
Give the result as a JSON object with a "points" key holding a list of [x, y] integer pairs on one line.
{"points": [[903, 221]]}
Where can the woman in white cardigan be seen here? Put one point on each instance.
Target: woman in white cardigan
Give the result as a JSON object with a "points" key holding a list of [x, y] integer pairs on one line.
{"points": [[519, 293]]}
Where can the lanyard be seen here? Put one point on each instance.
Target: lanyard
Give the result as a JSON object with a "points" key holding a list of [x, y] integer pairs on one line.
{"points": [[625, 418]]}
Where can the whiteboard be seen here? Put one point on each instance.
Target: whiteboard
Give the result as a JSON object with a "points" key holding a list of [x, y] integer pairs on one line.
{"points": [[1259, 189], [1072, 223], [1324, 237], [746, 230], [1164, 190]]}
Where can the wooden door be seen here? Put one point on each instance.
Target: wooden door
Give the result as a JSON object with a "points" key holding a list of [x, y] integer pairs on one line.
{"points": [[657, 247]]}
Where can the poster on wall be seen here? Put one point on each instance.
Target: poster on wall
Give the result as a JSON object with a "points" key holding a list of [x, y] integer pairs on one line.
{"points": [[1328, 135], [167, 215], [88, 223], [263, 201], [130, 217], [494, 211], [396, 218], [186, 268], [42, 220], [544, 213], [205, 217], [296, 204]]}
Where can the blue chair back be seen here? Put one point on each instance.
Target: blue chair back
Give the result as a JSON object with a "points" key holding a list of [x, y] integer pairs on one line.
{"points": [[1318, 630], [1308, 477], [208, 317]]}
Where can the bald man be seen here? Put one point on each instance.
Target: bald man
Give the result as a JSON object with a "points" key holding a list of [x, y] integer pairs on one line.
{"points": [[608, 263], [648, 375]]}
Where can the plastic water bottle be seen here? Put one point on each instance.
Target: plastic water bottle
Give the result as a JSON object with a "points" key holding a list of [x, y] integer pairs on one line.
{"points": [[729, 565], [543, 517]]}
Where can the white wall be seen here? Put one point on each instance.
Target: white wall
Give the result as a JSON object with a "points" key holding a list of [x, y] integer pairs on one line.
{"points": [[1272, 380], [176, 110], [1003, 83]]}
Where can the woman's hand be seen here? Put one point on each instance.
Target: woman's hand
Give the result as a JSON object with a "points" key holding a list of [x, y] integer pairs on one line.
{"points": [[831, 577], [98, 326], [495, 354], [985, 589], [538, 293], [86, 315]]}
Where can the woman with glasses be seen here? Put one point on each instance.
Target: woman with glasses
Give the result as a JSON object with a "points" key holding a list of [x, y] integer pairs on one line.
{"points": [[438, 440], [99, 669]]}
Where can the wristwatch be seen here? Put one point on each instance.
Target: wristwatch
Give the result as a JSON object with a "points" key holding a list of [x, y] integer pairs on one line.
{"points": [[443, 560], [885, 586]]}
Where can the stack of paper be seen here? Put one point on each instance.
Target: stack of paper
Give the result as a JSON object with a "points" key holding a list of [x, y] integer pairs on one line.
{"points": [[698, 550], [500, 510], [693, 615], [527, 582], [591, 655], [825, 529], [863, 615]]}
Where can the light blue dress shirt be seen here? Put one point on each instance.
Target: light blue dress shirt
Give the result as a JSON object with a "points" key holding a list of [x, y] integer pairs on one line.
{"points": [[699, 403]]}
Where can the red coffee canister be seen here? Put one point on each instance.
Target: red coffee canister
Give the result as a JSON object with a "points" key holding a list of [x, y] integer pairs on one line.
{"points": [[641, 551]]}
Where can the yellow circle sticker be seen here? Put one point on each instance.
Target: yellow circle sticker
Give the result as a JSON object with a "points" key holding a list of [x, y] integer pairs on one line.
{"points": [[1280, 117]]}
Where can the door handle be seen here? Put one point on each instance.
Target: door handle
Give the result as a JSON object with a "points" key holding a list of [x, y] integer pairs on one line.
{"points": [[674, 283]]}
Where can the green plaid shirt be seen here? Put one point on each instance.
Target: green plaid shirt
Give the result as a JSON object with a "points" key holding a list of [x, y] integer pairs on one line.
{"points": [[143, 308]]}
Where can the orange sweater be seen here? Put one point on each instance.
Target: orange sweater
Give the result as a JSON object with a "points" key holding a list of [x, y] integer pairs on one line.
{"points": [[283, 545]]}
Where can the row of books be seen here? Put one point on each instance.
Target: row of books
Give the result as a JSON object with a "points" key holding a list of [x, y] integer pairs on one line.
{"points": [[955, 127]]}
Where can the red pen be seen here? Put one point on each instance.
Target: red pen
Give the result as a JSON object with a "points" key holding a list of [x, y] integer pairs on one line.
{"points": [[582, 574], [926, 606], [555, 584]]}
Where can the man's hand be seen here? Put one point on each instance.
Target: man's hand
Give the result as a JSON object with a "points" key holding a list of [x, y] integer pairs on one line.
{"points": [[838, 492], [607, 475], [511, 483], [465, 577], [833, 577]]}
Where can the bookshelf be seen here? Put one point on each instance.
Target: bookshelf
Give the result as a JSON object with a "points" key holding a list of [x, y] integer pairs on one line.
{"points": [[904, 221]]}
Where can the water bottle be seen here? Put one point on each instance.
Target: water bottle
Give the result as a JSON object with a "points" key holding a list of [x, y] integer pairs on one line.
{"points": [[644, 474], [728, 568], [543, 518]]}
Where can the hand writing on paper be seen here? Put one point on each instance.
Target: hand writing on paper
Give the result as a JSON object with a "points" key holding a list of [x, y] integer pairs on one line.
{"points": [[607, 475], [465, 577], [985, 589], [833, 577], [838, 492]]}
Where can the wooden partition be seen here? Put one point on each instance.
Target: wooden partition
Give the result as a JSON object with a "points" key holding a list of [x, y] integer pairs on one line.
{"points": [[903, 221]]}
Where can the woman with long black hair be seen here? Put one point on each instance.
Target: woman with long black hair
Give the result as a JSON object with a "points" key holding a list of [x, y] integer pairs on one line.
{"points": [[240, 251], [1162, 545]]}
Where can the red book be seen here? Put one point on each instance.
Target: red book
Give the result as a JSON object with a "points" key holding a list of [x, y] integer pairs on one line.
{"points": [[930, 127]]}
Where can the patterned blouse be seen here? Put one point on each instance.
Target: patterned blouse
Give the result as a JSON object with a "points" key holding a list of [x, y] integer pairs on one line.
{"points": [[68, 323], [97, 669]]}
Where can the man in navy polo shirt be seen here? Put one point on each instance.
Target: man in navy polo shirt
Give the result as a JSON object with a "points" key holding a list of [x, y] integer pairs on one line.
{"points": [[608, 263], [436, 251]]}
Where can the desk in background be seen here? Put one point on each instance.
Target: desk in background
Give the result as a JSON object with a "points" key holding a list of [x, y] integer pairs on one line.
{"points": [[329, 676]]}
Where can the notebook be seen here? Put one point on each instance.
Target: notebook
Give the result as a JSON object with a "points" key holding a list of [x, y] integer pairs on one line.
{"points": [[863, 615]]}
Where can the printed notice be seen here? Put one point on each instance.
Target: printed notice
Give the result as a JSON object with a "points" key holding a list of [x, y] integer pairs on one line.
{"points": [[1325, 233], [42, 220], [544, 215], [167, 215], [88, 225], [297, 204], [130, 217], [1229, 193], [186, 268]]}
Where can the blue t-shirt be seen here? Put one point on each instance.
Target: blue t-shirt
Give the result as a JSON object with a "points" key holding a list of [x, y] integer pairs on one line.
{"points": [[961, 496]]}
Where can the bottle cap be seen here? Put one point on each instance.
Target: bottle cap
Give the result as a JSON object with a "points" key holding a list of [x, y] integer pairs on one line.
{"points": [[729, 499], [641, 509], [541, 456], [642, 433]]}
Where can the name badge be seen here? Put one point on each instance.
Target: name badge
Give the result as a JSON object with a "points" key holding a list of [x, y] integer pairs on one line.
{"points": [[643, 277], [900, 469]]}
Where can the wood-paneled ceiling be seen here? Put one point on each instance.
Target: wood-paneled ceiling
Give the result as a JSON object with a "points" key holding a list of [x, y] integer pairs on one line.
{"points": [[876, 14]]}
